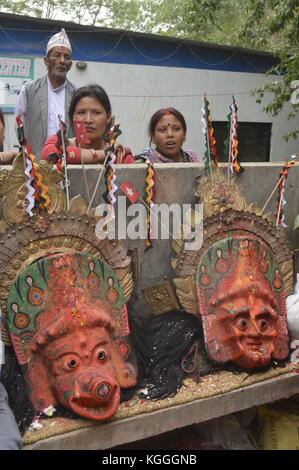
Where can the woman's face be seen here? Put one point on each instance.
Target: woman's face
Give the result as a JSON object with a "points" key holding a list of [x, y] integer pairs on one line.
{"points": [[93, 114], [169, 136]]}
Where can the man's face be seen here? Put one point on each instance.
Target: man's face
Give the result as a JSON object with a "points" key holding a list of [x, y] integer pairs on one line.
{"points": [[58, 61]]}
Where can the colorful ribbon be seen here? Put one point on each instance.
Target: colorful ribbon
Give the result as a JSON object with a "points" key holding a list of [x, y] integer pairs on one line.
{"points": [[231, 144], [210, 154], [110, 177], [43, 188], [149, 200], [61, 145], [112, 133], [37, 191], [30, 194]]}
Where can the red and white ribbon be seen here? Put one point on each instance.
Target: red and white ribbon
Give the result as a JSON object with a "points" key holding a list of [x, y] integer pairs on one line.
{"points": [[28, 184], [112, 178]]}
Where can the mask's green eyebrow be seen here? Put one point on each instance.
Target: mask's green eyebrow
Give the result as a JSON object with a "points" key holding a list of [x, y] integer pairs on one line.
{"points": [[246, 310], [237, 311], [57, 352]]}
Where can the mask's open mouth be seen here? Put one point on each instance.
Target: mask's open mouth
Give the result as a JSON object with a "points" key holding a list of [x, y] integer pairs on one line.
{"points": [[90, 407]]}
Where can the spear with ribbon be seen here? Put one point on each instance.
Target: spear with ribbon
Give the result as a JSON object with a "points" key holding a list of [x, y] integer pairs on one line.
{"points": [[61, 145], [283, 174], [281, 202], [231, 143], [108, 166], [110, 176], [82, 138], [149, 200], [36, 190], [210, 154]]}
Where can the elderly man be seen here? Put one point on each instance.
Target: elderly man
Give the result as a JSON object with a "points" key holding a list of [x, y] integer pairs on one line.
{"points": [[41, 101]]}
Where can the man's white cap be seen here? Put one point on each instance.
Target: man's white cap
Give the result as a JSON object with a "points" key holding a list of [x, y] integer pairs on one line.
{"points": [[58, 40]]}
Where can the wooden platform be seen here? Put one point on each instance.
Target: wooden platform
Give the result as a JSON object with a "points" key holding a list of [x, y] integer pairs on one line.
{"points": [[145, 425]]}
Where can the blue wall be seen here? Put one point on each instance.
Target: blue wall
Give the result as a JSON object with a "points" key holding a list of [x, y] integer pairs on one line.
{"points": [[20, 36]]}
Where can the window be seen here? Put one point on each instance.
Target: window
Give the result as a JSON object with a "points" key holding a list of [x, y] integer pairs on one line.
{"points": [[253, 137]]}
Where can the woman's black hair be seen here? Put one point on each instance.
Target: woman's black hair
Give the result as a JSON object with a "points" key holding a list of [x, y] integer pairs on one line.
{"points": [[2, 117], [94, 91], [160, 113]]}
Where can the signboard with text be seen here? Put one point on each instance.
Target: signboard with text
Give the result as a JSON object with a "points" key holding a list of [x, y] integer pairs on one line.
{"points": [[14, 73]]}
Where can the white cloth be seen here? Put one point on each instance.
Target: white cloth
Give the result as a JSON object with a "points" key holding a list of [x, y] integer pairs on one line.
{"points": [[21, 105], [292, 303], [56, 105]]}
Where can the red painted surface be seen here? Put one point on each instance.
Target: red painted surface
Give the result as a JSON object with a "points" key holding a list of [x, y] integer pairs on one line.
{"points": [[243, 311]]}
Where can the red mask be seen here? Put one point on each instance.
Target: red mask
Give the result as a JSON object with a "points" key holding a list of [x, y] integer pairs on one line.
{"points": [[73, 341], [242, 303]]}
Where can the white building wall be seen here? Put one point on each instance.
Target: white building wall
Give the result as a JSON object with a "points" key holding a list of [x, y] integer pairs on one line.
{"points": [[137, 91]]}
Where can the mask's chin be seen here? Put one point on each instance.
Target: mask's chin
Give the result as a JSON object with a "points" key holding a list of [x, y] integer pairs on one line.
{"points": [[90, 407], [254, 358]]}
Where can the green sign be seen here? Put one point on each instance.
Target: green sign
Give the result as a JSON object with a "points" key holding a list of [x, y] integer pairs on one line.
{"points": [[14, 73]]}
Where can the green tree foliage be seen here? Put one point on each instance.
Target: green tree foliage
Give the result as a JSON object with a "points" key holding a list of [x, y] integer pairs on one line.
{"points": [[203, 20], [274, 25], [208, 20], [38, 8]]}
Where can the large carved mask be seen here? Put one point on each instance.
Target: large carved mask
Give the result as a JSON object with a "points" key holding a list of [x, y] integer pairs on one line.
{"points": [[242, 303], [68, 324]]}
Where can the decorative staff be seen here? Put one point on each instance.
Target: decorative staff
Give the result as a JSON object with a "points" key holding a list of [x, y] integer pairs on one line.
{"points": [[62, 131], [110, 138], [283, 174], [27, 166], [110, 176], [82, 138], [231, 143], [37, 191], [210, 154], [281, 202], [149, 200]]}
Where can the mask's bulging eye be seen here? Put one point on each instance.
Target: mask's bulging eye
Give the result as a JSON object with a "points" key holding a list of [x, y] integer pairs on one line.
{"points": [[71, 364], [101, 355], [263, 324], [242, 323]]}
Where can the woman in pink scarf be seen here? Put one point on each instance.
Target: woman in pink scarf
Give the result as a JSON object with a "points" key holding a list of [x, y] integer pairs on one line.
{"points": [[167, 130]]}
